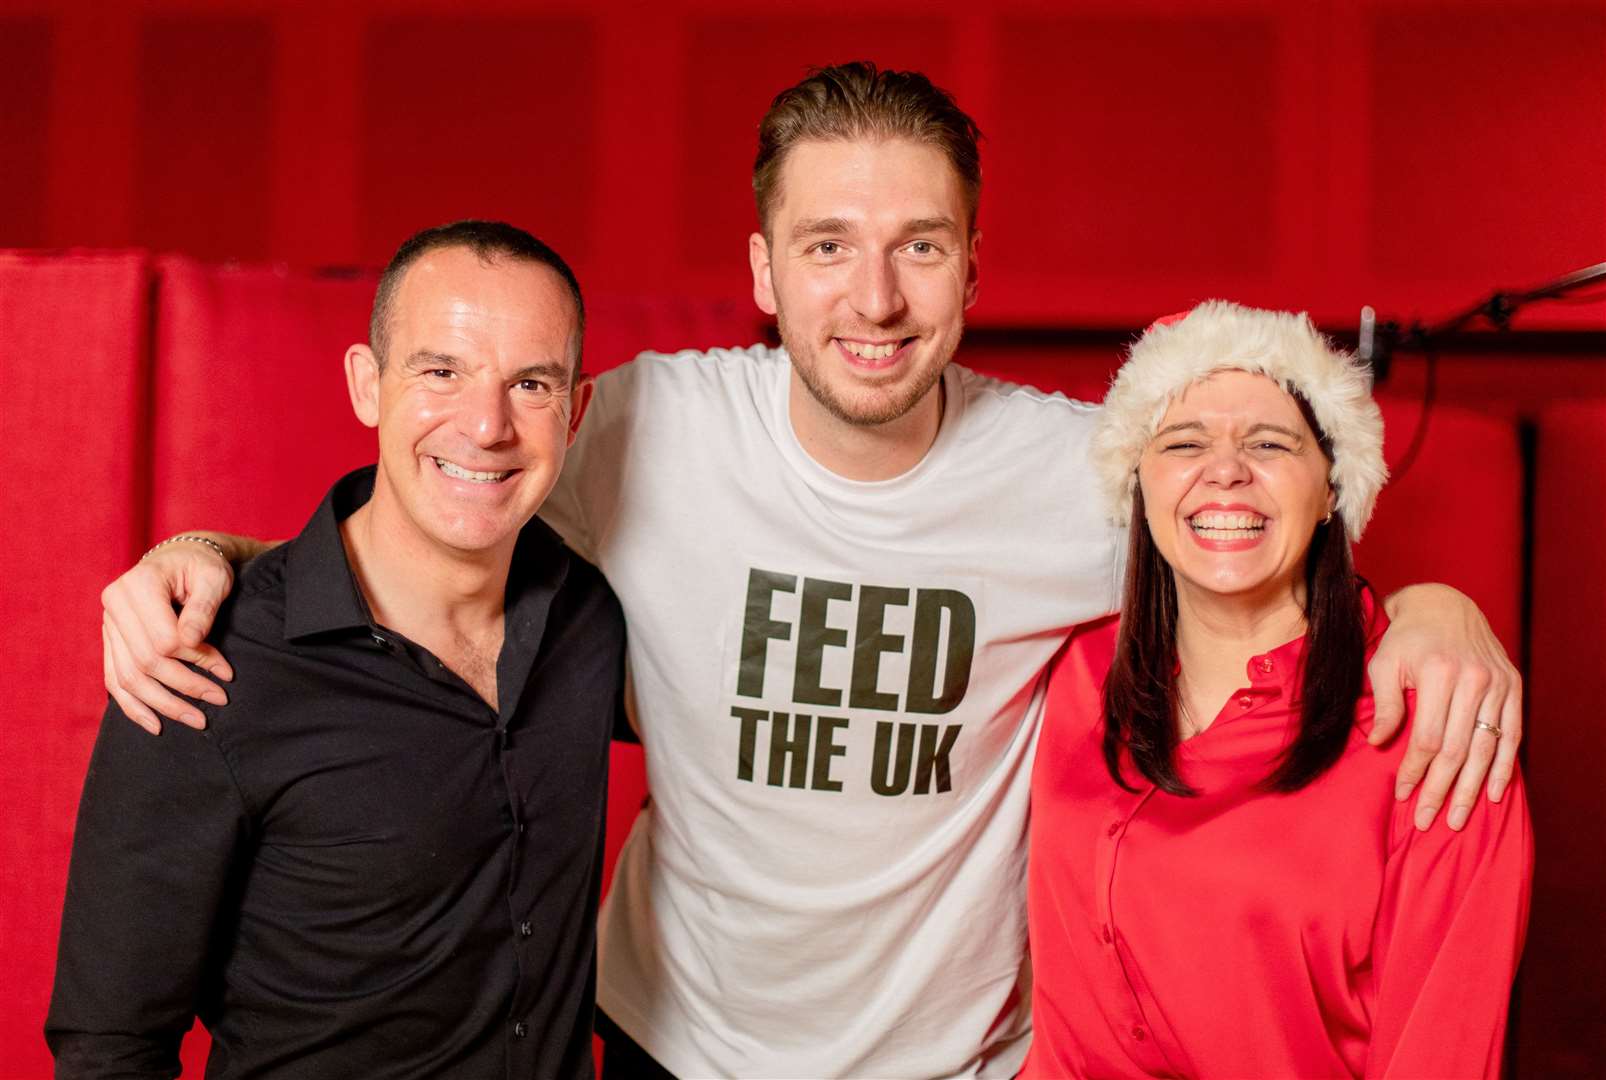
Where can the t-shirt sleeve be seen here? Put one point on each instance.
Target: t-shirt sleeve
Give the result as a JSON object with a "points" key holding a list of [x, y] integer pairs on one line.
{"points": [[564, 509], [1448, 935], [582, 500], [160, 823]]}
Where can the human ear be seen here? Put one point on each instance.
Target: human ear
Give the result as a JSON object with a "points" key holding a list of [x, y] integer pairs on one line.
{"points": [[579, 398], [362, 383], [758, 257], [972, 269]]}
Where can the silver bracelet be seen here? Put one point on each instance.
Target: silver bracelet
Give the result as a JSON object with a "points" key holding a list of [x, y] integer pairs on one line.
{"points": [[191, 538]]}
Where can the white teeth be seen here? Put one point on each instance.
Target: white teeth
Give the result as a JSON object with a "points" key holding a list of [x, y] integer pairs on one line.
{"points": [[870, 352], [1217, 520], [457, 472], [1227, 534]]}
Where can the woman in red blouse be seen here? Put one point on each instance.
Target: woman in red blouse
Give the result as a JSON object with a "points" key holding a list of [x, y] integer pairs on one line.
{"points": [[1221, 882]]}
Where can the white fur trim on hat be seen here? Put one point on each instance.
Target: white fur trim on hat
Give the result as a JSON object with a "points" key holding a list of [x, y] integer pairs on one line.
{"points": [[1281, 345]]}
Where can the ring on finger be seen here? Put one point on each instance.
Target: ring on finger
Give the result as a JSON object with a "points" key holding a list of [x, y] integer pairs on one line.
{"points": [[1493, 729]]}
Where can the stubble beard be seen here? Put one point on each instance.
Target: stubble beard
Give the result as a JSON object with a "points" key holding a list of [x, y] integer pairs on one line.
{"points": [[896, 403]]}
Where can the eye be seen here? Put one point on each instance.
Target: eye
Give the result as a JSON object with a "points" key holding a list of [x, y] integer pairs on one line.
{"points": [[924, 247], [533, 386], [1182, 445], [828, 247], [1270, 446]]}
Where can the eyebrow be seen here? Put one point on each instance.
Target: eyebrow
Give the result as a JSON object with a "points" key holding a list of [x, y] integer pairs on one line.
{"points": [[819, 227], [424, 358], [1194, 425], [835, 226], [930, 224], [553, 370]]}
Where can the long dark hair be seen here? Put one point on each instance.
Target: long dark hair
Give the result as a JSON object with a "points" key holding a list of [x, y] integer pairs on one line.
{"points": [[1140, 693]]}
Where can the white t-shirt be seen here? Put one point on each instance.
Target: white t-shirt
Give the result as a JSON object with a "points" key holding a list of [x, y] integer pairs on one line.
{"points": [[838, 686]]}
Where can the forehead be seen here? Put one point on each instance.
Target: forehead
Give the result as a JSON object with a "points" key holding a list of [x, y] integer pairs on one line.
{"points": [[452, 291], [861, 180], [1235, 398]]}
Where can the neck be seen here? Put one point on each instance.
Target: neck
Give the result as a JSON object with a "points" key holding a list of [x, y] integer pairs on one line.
{"points": [[413, 584], [865, 452], [1217, 635]]}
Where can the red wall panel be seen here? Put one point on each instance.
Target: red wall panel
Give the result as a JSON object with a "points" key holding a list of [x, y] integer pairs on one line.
{"points": [[478, 117], [1140, 154], [25, 61], [1159, 132], [253, 422], [1560, 1033], [1445, 521], [735, 67], [73, 361], [205, 108], [1489, 150]]}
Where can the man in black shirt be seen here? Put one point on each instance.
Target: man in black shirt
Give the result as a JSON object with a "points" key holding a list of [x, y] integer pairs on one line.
{"points": [[383, 857]]}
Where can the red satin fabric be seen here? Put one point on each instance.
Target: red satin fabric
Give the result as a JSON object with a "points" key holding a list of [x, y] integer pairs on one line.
{"points": [[1242, 934]]}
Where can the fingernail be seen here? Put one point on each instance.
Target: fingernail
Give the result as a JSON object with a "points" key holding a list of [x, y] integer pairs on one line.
{"points": [[151, 726], [193, 718], [1497, 790], [226, 674], [1458, 816], [1402, 791], [214, 697], [1425, 816]]}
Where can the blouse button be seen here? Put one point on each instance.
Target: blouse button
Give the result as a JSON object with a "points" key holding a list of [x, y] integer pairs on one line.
{"points": [[1137, 1033]]}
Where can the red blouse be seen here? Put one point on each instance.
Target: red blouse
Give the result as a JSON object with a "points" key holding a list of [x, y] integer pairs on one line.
{"points": [[1245, 934]]}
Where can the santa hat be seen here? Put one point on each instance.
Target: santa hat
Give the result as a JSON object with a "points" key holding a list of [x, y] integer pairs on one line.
{"points": [[1179, 350]]}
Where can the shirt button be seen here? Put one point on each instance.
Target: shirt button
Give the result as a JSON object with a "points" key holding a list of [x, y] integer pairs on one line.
{"points": [[1266, 665], [521, 828], [1137, 1033], [1245, 701], [524, 929], [381, 640], [520, 1029], [1107, 936]]}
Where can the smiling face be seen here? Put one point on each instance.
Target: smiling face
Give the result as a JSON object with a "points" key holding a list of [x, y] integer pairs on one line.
{"points": [[1234, 485], [869, 266], [476, 404]]}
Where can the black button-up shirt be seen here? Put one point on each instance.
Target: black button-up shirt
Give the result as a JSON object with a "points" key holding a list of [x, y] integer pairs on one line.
{"points": [[360, 869]]}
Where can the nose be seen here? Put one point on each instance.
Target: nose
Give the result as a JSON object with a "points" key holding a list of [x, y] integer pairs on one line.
{"points": [[877, 295], [484, 414], [1226, 467]]}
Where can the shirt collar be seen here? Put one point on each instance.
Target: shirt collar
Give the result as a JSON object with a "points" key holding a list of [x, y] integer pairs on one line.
{"points": [[322, 596], [1279, 670]]}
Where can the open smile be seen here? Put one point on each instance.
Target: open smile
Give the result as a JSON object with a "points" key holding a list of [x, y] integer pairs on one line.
{"points": [[473, 476], [1230, 529], [873, 354]]}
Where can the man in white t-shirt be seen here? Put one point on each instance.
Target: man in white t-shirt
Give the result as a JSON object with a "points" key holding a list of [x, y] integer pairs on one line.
{"points": [[845, 566]]}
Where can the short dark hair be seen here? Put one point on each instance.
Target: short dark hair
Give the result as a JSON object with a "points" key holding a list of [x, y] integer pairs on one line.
{"points": [[489, 240], [858, 100], [1140, 691]]}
